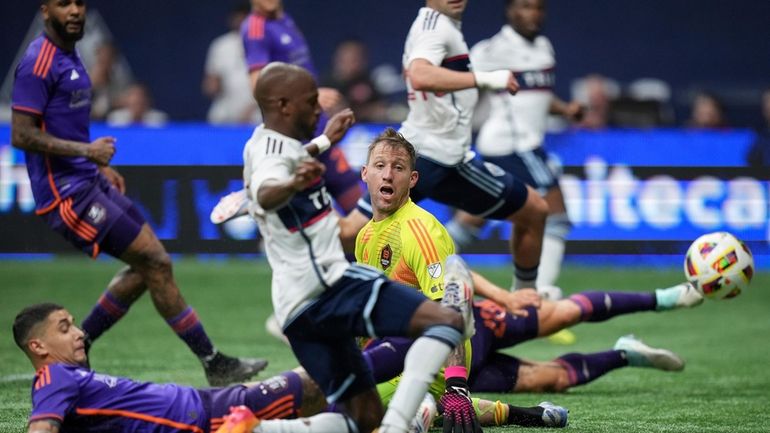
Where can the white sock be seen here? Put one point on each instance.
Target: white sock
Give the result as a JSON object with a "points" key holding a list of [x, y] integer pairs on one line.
{"points": [[321, 423], [550, 261], [423, 361]]}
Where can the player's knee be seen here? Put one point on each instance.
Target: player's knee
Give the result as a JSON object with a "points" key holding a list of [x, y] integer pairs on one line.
{"points": [[451, 318], [561, 383], [533, 213], [158, 262]]}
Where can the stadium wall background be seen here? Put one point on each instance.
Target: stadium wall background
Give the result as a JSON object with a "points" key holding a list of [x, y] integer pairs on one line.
{"points": [[708, 44], [633, 196]]}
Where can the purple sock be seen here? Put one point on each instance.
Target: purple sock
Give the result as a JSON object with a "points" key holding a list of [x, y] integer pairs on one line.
{"points": [[599, 306], [386, 357], [584, 368], [107, 311], [190, 329]]}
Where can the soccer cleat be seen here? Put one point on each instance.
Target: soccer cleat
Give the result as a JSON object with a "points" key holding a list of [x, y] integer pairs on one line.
{"points": [[639, 354], [426, 413], [458, 291], [273, 328], [553, 415], [239, 420], [230, 206], [222, 370], [680, 296]]}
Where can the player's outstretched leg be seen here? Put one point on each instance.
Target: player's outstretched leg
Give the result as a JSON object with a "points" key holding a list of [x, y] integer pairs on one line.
{"points": [[230, 206], [680, 296], [498, 413], [147, 257], [639, 354]]}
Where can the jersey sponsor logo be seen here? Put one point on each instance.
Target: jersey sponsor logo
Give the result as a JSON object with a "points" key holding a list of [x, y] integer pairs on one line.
{"points": [[434, 270], [386, 255], [306, 207], [74, 75], [97, 213], [460, 63], [536, 80], [80, 98]]}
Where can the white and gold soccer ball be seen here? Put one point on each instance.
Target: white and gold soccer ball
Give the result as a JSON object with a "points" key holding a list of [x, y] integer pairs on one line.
{"points": [[719, 265]]}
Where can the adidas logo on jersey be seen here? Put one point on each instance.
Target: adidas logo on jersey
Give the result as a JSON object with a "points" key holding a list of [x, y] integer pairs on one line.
{"points": [[74, 75]]}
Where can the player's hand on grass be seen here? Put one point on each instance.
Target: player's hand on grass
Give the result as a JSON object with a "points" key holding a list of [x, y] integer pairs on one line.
{"points": [[101, 150], [114, 178], [339, 124], [307, 171], [457, 408], [516, 301]]}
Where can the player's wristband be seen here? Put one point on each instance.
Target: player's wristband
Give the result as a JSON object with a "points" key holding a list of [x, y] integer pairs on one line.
{"points": [[496, 80], [323, 143], [455, 371]]}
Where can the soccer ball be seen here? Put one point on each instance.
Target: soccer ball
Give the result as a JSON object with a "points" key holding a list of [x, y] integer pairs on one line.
{"points": [[719, 265]]}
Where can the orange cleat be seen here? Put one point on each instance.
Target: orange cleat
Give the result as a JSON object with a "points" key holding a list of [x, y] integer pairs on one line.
{"points": [[240, 420]]}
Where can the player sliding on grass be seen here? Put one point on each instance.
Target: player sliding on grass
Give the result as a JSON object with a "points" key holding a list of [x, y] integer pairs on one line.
{"points": [[67, 396], [82, 198]]}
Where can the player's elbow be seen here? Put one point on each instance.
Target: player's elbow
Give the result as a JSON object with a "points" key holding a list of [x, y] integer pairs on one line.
{"points": [[420, 81], [19, 138], [420, 76]]}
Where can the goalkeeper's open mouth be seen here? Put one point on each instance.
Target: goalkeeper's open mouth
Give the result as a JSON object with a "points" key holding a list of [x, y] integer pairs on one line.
{"points": [[386, 191]]}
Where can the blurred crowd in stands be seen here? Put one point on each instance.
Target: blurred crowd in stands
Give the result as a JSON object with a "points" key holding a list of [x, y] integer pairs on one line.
{"points": [[377, 94]]}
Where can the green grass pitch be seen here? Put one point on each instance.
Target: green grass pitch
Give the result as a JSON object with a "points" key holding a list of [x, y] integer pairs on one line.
{"points": [[725, 386]]}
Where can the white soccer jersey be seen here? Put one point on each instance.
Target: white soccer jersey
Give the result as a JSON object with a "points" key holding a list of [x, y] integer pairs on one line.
{"points": [[516, 123], [301, 237], [438, 124]]}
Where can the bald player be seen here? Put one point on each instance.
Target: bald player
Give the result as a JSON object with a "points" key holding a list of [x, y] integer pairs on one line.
{"points": [[321, 301]]}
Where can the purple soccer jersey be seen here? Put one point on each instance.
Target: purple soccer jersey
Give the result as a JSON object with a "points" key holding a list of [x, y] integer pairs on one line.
{"points": [[274, 40], [53, 84], [82, 401]]}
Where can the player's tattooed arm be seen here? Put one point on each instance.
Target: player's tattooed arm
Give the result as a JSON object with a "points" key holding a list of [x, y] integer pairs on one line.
{"points": [[44, 426], [27, 134]]}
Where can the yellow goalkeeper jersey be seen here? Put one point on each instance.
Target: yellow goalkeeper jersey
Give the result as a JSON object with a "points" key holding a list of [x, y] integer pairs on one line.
{"points": [[409, 246]]}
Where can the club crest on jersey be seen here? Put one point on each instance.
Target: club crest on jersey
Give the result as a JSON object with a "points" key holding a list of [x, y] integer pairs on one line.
{"points": [[386, 255], [274, 385], [97, 213], [434, 270]]}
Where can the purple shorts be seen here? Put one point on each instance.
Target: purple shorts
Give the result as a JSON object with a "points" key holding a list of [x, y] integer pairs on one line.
{"points": [[497, 329], [97, 218], [274, 398]]}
